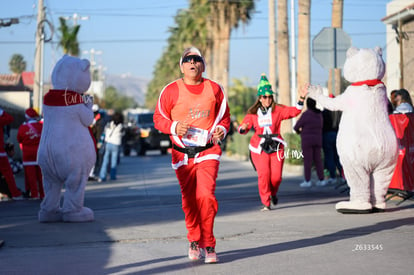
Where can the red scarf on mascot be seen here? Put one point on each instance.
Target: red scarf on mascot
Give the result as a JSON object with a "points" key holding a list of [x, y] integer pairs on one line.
{"points": [[372, 82], [66, 98]]}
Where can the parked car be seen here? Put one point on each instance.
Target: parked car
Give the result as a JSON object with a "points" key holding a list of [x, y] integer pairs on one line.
{"points": [[141, 135]]}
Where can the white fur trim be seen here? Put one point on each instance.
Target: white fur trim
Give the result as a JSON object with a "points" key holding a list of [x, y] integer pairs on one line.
{"points": [[206, 157], [256, 150], [177, 165], [299, 107]]}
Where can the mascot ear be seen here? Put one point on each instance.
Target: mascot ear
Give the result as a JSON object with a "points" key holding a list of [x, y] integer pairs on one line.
{"points": [[351, 52], [378, 50], [84, 65]]}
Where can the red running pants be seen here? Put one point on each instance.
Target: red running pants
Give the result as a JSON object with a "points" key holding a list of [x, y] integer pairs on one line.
{"points": [[198, 185], [269, 172]]}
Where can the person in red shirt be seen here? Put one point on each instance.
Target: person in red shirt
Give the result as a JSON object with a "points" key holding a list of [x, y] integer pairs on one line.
{"points": [[28, 136], [267, 145], [5, 168], [193, 110]]}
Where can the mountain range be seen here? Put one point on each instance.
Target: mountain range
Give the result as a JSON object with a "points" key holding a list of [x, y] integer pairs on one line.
{"points": [[132, 86]]}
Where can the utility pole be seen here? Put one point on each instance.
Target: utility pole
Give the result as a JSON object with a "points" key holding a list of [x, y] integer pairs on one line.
{"points": [[94, 67], [401, 37], [38, 66]]}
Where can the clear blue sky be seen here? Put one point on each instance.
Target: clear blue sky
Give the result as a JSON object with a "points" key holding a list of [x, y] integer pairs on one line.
{"points": [[131, 34]]}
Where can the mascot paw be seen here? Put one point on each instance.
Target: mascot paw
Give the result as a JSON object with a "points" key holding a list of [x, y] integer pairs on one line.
{"points": [[349, 207], [314, 91], [88, 100], [50, 216], [83, 215], [379, 207]]}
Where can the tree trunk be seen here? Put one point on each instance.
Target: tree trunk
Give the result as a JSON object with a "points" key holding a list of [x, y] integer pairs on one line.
{"points": [[337, 19], [304, 69], [283, 61]]}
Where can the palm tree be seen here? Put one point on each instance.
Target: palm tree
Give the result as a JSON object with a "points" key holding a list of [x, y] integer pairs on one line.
{"points": [[17, 64], [283, 61], [241, 97], [69, 40], [207, 25], [223, 17], [304, 42]]}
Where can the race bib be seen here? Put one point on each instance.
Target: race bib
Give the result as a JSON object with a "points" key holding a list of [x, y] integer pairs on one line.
{"points": [[195, 137], [265, 120]]}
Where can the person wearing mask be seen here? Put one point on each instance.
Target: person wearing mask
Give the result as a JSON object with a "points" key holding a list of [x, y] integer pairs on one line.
{"points": [[28, 135], [113, 140], [193, 110], [267, 145]]}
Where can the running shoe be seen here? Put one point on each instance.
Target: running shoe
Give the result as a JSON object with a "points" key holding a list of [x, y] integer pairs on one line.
{"points": [[210, 256], [194, 251], [274, 200], [306, 184], [265, 208]]}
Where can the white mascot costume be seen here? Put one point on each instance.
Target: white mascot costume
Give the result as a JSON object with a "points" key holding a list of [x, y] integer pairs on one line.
{"points": [[367, 145], [66, 152]]}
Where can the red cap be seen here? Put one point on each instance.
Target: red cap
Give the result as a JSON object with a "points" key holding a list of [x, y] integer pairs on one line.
{"points": [[31, 113]]}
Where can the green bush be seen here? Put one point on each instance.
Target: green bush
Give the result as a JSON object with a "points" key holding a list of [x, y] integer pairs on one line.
{"points": [[293, 151], [238, 145]]}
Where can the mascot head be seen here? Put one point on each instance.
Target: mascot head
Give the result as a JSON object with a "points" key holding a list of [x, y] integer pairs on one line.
{"points": [[363, 64], [72, 74]]}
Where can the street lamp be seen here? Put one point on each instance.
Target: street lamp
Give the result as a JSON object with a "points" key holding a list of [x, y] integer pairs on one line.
{"points": [[75, 17]]}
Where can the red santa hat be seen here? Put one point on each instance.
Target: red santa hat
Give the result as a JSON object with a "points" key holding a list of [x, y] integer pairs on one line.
{"points": [[31, 113]]}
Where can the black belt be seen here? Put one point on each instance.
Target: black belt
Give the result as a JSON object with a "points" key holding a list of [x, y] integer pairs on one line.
{"points": [[191, 151], [268, 135]]}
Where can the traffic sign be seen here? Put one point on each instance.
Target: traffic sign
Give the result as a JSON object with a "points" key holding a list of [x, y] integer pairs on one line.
{"points": [[329, 47]]}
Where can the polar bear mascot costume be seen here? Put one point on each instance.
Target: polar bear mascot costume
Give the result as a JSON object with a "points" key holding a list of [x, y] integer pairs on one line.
{"points": [[66, 152], [367, 145]]}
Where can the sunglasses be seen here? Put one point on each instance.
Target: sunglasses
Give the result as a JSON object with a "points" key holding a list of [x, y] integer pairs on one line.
{"points": [[195, 58], [267, 96]]}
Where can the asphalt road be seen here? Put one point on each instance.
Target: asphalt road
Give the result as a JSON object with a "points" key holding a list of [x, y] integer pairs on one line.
{"points": [[139, 229]]}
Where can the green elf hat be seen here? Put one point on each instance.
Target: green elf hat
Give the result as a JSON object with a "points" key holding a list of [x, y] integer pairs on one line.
{"points": [[264, 87]]}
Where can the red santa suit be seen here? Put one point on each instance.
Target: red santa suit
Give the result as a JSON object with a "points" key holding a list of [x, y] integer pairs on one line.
{"points": [[194, 157], [28, 136], [5, 169], [268, 166]]}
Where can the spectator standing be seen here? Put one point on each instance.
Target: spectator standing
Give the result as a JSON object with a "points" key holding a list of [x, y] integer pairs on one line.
{"points": [[5, 169], [267, 145], [113, 139], [309, 126], [28, 136], [97, 129], [331, 121], [193, 110]]}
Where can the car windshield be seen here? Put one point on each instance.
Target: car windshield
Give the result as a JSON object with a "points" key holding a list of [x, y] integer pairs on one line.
{"points": [[145, 119]]}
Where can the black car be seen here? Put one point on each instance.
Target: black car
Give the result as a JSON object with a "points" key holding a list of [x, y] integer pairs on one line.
{"points": [[141, 135]]}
